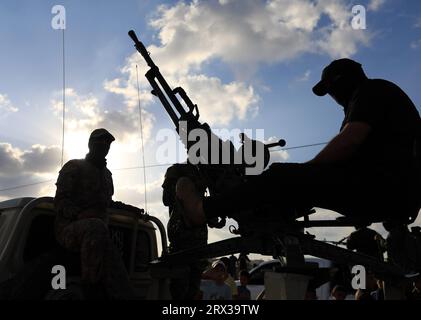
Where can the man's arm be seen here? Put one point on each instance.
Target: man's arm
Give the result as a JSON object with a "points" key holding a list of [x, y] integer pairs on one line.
{"points": [[63, 200], [345, 144], [123, 206]]}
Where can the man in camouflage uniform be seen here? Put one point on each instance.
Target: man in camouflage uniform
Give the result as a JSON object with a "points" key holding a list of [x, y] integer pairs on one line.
{"points": [[84, 192], [181, 235]]}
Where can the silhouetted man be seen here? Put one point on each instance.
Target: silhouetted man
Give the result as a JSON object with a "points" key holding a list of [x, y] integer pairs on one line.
{"points": [[338, 293], [366, 241], [367, 170], [181, 235], [84, 192]]}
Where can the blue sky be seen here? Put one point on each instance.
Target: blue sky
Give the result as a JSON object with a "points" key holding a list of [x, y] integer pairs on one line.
{"points": [[229, 55]]}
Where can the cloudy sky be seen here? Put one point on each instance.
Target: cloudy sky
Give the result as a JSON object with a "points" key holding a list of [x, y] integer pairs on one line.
{"points": [[248, 64]]}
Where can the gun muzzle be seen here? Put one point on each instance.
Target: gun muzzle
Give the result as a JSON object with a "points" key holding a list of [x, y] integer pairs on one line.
{"points": [[281, 143], [133, 35]]}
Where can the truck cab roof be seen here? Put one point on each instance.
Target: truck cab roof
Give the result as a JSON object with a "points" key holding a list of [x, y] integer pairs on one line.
{"points": [[15, 203]]}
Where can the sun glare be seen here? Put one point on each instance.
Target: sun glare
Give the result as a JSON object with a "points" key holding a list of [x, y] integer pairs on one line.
{"points": [[75, 145]]}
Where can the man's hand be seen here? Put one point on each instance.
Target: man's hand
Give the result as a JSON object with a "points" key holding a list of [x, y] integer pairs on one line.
{"points": [[345, 144], [128, 207]]}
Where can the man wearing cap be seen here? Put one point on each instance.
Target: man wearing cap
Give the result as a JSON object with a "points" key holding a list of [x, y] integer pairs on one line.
{"points": [[367, 170], [214, 286], [84, 192]]}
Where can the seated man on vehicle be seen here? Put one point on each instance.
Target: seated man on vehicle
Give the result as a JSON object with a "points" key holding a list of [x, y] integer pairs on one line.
{"points": [[84, 192], [367, 171]]}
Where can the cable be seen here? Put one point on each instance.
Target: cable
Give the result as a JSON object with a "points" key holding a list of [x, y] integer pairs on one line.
{"points": [[141, 137], [64, 103], [26, 185], [154, 166], [142, 167], [303, 146]]}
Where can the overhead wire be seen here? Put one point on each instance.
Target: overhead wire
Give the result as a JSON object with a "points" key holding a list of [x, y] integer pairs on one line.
{"points": [[150, 166]]}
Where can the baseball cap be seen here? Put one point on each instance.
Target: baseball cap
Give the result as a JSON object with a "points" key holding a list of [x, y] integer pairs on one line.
{"points": [[335, 70], [219, 263], [101, 133]]}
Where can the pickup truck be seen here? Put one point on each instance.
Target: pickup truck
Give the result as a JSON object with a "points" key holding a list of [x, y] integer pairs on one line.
{"points": [[29, 251]]}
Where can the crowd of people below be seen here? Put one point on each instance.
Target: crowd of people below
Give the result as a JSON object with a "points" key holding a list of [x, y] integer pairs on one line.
{"points": [[218, 282]]}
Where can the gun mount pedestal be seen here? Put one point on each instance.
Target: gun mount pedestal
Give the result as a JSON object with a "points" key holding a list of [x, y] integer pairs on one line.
{"points": [[290, 245], [285, 286], [394, 290]]}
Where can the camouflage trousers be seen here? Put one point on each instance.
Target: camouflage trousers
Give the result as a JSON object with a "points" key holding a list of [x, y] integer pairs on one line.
{"points": [[101, 263]]}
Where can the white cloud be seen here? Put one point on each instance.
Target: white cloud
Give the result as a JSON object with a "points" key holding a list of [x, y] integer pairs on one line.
{"points": [[127, 85], [6, 105], [375, 5], [242, 34], [276, 154], [10, 161], [135, 194], [38, 159], [84, 114], [249, 32], [41, 159], [343, 42], [415, 44], [305, 77], [220, 103], [418, 23]]}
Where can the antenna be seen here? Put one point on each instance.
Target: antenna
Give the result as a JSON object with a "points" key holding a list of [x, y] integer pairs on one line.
{"points": [[141, 137], [64, 102]]}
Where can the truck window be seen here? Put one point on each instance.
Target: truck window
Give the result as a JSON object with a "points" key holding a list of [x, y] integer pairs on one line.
{"points": [[143, 252], [122, 239]]}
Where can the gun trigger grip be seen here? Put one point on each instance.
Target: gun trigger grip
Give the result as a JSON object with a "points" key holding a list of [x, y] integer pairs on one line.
{"points": [[197, 115]]}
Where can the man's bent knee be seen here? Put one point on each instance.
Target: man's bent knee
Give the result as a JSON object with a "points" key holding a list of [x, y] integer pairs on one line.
{"points": [[96, 226]]}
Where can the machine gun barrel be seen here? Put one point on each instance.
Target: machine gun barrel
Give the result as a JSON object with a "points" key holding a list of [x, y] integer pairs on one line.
{"points": [[173, 106], [142, 49]]}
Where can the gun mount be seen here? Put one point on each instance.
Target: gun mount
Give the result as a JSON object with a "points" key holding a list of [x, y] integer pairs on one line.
{"points": [[266, 233]]}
